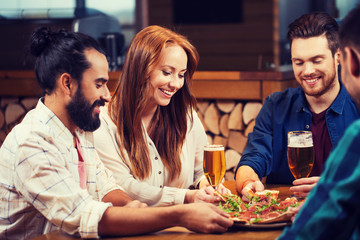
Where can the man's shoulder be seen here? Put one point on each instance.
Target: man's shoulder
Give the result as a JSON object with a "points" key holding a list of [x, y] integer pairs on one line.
{"points": [[32, 126]]}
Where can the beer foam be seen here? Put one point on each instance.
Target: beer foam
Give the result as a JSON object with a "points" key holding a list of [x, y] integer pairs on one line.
{"points": [[214, 148], [294, 145], [300, 141]]}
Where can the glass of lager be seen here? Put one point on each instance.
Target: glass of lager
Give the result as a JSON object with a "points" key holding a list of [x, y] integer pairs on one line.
{"points": [[300, 153], [214, 164]]}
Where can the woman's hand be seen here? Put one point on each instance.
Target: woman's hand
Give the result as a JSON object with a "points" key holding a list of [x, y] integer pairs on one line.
{"points": [[206, 194], [223, 190]]}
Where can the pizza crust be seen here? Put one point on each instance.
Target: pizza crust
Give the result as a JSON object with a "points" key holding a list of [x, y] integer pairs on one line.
{"points": [[284, 217]]}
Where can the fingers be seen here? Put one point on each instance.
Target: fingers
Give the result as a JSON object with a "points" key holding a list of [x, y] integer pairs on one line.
{"points": [[220, 211], [256, 186], [206, 195], [303, 186], [301, 194], [302, 181], [222, 223], [203, 183], [223, 190], [245, 191], [208, 190], [219, 226], [295, 210], [206, 218]]}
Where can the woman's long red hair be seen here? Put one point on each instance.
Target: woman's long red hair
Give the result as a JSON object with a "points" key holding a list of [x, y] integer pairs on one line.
{"points": [[169, 124]]}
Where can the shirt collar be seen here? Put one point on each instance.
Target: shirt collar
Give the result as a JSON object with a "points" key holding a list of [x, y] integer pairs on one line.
{"points": [[339, 103], [337, 106], [55, 124]]}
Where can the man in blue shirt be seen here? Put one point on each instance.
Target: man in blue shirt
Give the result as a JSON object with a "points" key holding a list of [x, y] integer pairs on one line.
{"points": [[331, 210], [320, 104]]}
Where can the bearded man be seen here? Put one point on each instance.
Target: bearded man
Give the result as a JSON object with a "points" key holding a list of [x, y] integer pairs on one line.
{"points": [[320, 104], [51, 177], [331, 210]]}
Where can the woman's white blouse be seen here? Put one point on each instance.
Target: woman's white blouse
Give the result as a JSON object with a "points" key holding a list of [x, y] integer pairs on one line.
{"points": [[157, 189]]}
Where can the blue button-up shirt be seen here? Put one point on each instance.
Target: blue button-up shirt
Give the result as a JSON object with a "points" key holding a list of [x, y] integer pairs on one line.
{"points": [[288, 111]]}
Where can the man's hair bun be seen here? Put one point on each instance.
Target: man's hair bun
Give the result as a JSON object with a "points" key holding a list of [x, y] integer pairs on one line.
{"points": [[40, 40]]}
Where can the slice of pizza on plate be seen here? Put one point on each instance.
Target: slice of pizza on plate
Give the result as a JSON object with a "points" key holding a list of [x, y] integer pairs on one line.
{"points": [[263, 207], [263, 197]]}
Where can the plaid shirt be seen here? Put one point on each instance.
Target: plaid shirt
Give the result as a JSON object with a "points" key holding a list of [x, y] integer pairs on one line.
{"points": [[39, 180]]}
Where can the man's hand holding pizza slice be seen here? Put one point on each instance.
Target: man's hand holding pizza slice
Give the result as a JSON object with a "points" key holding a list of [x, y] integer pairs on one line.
{"points": [[251, 185]]}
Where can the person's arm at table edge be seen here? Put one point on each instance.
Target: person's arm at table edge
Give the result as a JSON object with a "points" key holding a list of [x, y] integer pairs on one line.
{"points": [[258, 147], [130, 221], [206, 218]]}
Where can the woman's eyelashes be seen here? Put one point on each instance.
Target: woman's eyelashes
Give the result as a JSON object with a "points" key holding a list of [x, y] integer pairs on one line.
{"points": [[167, 73]]}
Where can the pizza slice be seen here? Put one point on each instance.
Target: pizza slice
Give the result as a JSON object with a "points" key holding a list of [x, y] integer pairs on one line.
{"points": [[263, 197], [264, 207], [279, 211]]}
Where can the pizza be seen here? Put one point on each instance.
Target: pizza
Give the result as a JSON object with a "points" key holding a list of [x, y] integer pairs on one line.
{"points": [[263, 207]]}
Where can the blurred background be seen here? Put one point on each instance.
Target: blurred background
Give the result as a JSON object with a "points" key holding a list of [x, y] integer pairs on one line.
{"points": [[229, 34]]}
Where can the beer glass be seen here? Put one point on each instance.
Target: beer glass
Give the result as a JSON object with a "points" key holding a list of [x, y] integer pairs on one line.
{"points": [[300, 153], [214, 164]]}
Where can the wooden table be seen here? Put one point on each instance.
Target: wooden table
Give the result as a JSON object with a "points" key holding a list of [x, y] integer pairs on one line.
{"points": [[180, 233]]}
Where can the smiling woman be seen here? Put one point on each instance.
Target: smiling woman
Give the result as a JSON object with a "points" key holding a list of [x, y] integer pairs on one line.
{"points": [[166, 79], [151, 137]]}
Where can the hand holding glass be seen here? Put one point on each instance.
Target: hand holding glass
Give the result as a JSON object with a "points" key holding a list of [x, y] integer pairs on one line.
{"points": [[214, 164], [300, 153]]}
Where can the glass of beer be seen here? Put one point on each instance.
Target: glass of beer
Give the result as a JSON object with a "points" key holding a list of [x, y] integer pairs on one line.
{"points": [[214, 164], [300, 153]]}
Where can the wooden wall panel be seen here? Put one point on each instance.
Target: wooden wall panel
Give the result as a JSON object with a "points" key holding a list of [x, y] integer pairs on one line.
{"points": [[245, 46]]}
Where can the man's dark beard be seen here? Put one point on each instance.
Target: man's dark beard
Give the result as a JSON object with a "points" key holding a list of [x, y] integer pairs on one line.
{"points": [[81, 112]]}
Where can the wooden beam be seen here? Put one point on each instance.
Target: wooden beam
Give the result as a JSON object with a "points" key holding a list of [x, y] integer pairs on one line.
{"points": [[236, 85]]}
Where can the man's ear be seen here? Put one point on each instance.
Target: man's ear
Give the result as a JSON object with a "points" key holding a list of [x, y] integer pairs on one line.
{"points": [[66, 83], [354, 61], [337, 56]]}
